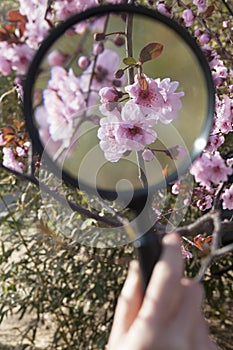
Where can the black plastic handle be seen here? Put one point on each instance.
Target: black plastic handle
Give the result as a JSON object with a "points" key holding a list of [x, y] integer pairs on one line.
{"points": [[149, 249]]}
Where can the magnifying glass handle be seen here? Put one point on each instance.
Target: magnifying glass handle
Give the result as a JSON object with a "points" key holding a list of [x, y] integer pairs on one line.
{"points": [[149, 249]]}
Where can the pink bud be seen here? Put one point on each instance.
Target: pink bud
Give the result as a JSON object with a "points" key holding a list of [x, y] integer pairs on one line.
{"points": [[119, 40], [98, 48], [108, 94], [198, 32], [99, 36], [56, 58], [204, 38], [148, 155], [83, 62]]}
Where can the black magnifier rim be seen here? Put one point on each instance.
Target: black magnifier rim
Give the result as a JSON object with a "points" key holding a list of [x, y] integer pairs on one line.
{"points": [[101, 11]]}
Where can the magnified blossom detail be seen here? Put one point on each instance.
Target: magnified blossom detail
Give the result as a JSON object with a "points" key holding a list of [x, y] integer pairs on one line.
{"points": [[124, 131], [159, 96], [63, 103], [227, 198], [210, 169]]}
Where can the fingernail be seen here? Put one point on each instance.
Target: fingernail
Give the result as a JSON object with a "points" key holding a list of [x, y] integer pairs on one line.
{"points": [[171, 238]]}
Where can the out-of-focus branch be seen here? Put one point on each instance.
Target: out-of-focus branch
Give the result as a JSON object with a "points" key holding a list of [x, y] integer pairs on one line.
{"points": [[74, 206]]}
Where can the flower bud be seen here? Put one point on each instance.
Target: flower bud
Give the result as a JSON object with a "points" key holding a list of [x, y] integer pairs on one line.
{"points": [[56, 58], [119, 73], [83, 62], [204, 38], [99, 36], [119, 40], [148, 155], [108, 94], [98, 48]]}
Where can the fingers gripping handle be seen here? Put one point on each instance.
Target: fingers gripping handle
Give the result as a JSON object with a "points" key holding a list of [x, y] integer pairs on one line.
{"points": [[149, 249]]}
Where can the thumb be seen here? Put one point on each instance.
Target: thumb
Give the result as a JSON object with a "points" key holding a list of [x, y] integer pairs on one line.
{"points": [[128, 305]]}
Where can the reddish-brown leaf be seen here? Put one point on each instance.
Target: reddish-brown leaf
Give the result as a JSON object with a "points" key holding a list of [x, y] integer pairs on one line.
{"points": [[8, 130], [209, 11], [150, 52], [16, 16]]}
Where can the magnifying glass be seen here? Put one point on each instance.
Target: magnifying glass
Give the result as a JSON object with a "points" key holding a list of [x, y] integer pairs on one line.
{"points": [[120, 100]]}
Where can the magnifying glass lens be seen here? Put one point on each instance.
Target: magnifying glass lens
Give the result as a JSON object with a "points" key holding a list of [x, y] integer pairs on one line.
{"points": [[119, 92]]}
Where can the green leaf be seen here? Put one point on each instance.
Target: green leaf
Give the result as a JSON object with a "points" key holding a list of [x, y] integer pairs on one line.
{"points": [[129, 61], [150, 52]]}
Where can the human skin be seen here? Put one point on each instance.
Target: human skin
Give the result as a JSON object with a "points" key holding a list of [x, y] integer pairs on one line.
{"points": [[169, 316]]}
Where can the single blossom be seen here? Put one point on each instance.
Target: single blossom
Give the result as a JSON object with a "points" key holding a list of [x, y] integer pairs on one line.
{"points": [[201, 5], [104, 70], [158, 98], [56, 58], [66, 8], [124, 131], [148, 155], [10, 161], [188, 17], [227, 198], [164, 9], [186, 254], [22, 57], [109, 94], [205, 202], [64, 103], [214, 142]]}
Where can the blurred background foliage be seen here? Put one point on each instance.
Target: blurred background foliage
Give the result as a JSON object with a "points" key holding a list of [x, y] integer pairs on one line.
{"points": [[67, 288]]}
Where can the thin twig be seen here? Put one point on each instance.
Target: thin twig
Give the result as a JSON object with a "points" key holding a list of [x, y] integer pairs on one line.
{"points": [[74, 206]]}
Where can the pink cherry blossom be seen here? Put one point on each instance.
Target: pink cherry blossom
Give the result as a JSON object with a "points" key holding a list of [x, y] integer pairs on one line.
{"points": [[214, 142], [188, 17], [201, 5], [176, 187], [10, 161], [66, 8], [164, 9], [37, 27], [148, 155], [186, 254], [22, 57], [219, 70], [205, 202], [172, 103], [227, 198], [159, 97], [83, 62], [63, 103], [6, 54], [108, 94], [177, 152], [224, 113], [56, 58], [2, 140], [204, 38], [123, 131], [151, 98], [105, 67], [210, 168]]}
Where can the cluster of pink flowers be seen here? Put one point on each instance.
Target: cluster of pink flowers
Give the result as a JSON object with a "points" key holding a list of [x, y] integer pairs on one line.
{"points": [[14, 159], [209, 170], [124, 130], [63, 102], [128, 127]]}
